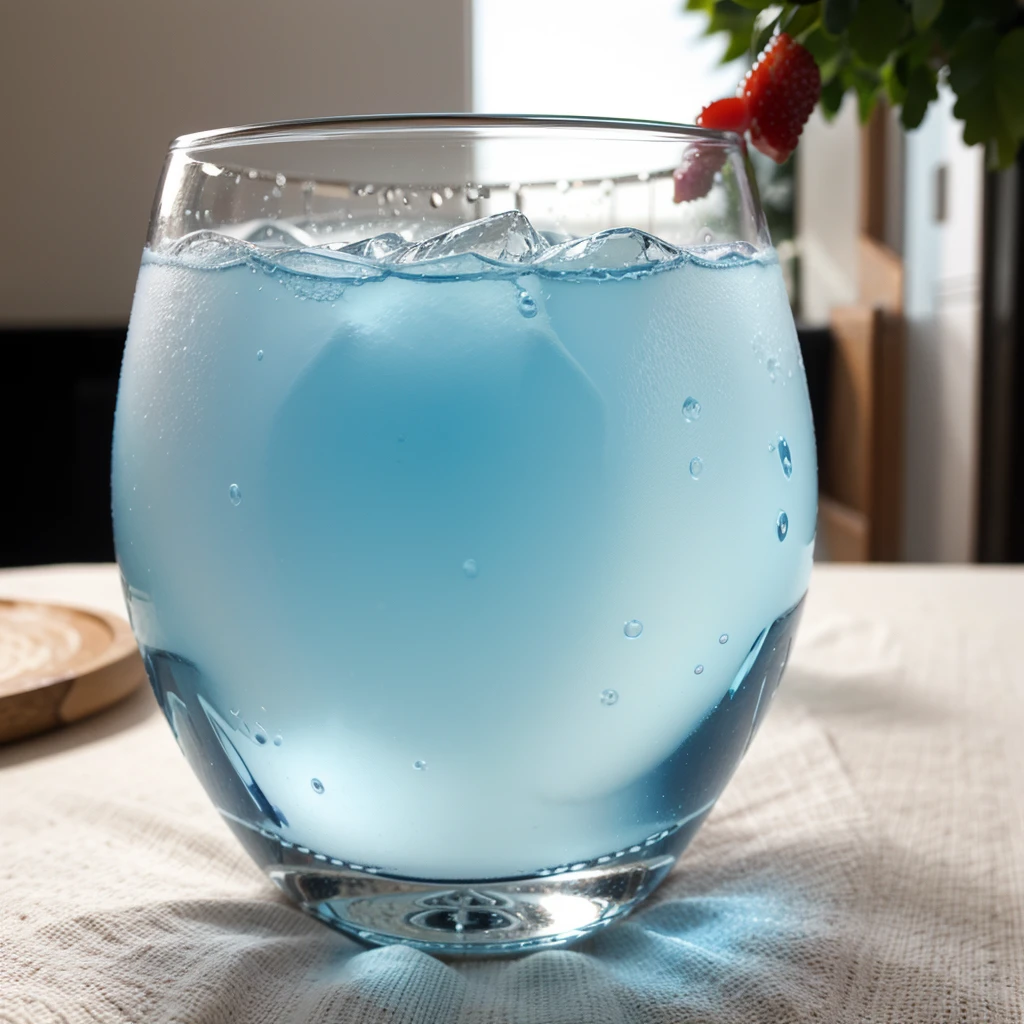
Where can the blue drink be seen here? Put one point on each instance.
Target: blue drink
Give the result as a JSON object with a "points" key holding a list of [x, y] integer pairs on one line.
{"points": [[461, 560]]}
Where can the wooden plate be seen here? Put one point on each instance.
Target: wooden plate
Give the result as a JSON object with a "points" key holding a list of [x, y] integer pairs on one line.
{"points": [[59, 664]]}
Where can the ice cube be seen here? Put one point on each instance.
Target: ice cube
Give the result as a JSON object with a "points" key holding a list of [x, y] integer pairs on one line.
{"points": [[464, 265], [271, 234], [726, 252], [506, 237], [615, 249], [380, 247], [326, 262], [209, 250]]}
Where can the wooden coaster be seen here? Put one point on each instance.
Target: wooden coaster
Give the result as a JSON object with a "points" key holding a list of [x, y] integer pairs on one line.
{"points": [[59, 664]]}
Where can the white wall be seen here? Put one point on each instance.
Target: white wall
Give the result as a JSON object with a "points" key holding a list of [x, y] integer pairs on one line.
{"points": [[943, 310], [93, 91], [827, 212], [643, 59], [942, 302]]}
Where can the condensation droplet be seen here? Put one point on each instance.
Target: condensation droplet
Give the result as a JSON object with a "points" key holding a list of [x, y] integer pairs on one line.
{"points": [[420, 766], [278, 740], [470, 569], [785, 457], [436, 199], [526, 303], [698, 670], [318, 786], [782, 525], [696, 466], [633, 628], [259, 356], [724, 638], [280, 180], [235, 494], [609, 697], [691, 410]]}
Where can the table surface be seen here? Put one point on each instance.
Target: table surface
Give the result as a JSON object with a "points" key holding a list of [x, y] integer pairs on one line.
{"points": [[865, 864]]}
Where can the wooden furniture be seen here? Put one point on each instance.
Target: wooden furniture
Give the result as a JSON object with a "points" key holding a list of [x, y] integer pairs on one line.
{"points": [[861, 454], [59, 664]]}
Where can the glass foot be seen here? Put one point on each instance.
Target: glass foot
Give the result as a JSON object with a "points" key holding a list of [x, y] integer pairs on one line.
{"points": [[485, 918]]}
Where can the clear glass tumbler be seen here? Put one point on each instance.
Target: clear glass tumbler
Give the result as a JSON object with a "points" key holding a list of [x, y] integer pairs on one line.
{"points": [[464, 496]]}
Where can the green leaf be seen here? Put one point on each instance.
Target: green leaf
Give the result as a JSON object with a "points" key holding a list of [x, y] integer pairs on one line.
{"points": [[957, 16], [729, 17], [1010, 80], [922, 88], [837, 14], [739, 45], [986, 71], [735, 21], [990, 10], [952, 21], [866, 83], [822, 46], [829, 54], [925, 12], [832, 98], [971, 63], [755, 5], [877, 29], [917, 50], [866, 99], [764, 28], [798, 21], [895, 86]]}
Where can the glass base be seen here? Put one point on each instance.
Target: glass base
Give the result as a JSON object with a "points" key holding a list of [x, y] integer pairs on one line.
{"points": [[486, 918], [550, 906]]}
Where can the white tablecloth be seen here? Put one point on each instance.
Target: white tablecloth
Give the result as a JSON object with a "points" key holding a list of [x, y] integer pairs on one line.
{"points": [[866, 863]]}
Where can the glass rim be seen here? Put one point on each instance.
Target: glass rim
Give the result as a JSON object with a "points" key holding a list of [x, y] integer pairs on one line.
{"points": [[308, 129]]}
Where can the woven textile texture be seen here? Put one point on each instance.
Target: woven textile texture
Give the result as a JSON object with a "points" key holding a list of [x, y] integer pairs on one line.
{"points": [[865, 865]]}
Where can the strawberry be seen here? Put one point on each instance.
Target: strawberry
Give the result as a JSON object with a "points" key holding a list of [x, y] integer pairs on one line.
{"points": [[729, 115], [773, 103], [781, 90], [695, 175]]}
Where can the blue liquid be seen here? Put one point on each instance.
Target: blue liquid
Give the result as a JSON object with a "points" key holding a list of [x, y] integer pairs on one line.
{"points": [[452, 506]]}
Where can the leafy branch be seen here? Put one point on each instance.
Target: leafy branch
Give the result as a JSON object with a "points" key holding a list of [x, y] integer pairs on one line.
{"points": [[899, 49]]}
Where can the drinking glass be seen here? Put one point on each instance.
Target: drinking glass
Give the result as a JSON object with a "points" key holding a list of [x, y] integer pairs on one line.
{"points": [[464, 493]]}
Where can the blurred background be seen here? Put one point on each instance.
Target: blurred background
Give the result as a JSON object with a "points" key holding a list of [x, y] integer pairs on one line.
{"points": [[903, 255]]}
